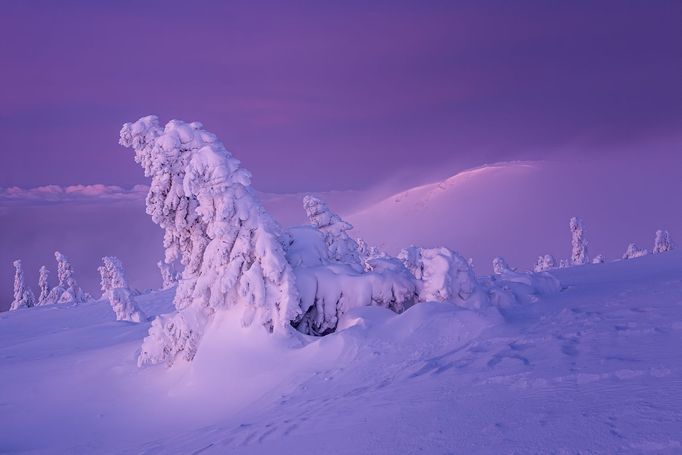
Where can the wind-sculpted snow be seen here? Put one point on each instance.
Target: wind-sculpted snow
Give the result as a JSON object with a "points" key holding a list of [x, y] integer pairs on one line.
{"points": [[214, 225]]}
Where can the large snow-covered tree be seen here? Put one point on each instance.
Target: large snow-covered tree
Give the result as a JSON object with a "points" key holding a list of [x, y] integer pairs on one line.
{"points": [[342, 247], [116, 290], [443, 275], [67, 291], [663, 242], [23, 296], [579, 254], [231, 248], [169, 276], [44, 286]]}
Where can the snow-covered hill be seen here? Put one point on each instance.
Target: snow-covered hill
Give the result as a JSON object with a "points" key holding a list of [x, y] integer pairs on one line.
{"points": [[596, 368], [520, 210]]}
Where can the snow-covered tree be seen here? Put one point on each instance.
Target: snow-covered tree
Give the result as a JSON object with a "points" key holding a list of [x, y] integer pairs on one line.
{"points": [[67, 291], [579, 254], [633, 251], [500, 266], [342, 247], [443, 275], [23, 296], [328, 288], [599, 259], [116, 290], [544, 263], [563, 263], [663, 242], [231, 248], [169, 276], [44, 286]]}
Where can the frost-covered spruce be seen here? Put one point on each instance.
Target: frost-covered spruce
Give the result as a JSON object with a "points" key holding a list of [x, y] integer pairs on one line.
{"points": [[544, 263], [633, 251], [443, 275], [663, 242], [43, 284], [67, 291], [116, 290], [342, 248], [23, 296], [599, 259], [169, 276], [563, 263], [231, 248], [579, 254], [500, 266]]}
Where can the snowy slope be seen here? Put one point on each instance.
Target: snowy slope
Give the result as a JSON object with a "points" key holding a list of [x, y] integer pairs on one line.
{"points": [[596, 368], [520, 210]]}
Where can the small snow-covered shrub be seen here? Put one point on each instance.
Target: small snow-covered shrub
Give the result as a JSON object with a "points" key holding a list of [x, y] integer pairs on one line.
{"points": [[443, 275], [23, 296], [633, 251], [599, 259], [342, 248], [500, 266], [67, 291], [367, 252], [544, 263], [579, 254], [231, 248], [116, 290], [663, 242]]}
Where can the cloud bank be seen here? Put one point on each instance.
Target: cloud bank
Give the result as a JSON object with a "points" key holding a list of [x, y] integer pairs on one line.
{"points": [[51, 194]]}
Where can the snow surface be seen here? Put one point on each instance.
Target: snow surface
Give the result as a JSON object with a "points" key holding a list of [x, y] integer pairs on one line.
{"points": [[596, 368]]}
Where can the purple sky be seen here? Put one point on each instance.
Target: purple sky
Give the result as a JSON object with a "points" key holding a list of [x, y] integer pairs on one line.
{"points": [[314, 96], [369, 91]]}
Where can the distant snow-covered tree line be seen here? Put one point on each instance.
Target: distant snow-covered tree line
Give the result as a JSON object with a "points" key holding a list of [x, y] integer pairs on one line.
{"points": [[66, 291], [579, 251]]}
